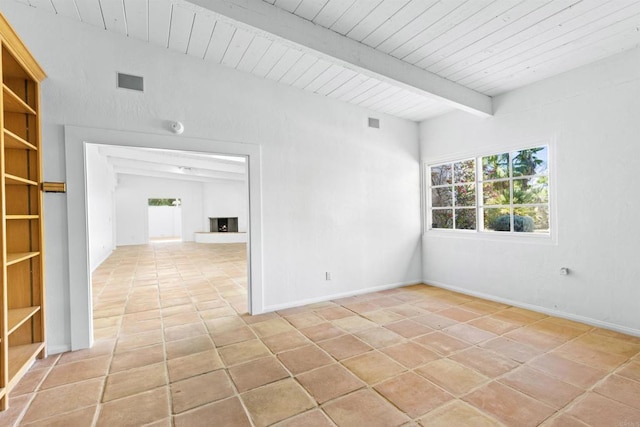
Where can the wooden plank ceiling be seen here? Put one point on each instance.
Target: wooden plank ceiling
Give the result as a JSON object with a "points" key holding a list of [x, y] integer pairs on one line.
{"points": [[483, 46]]}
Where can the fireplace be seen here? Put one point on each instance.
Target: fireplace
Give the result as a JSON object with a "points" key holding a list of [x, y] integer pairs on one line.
{"points": [[223, 225]]}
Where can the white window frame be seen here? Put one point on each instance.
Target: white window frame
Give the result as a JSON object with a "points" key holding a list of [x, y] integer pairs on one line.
{"points": [[479, 233]]}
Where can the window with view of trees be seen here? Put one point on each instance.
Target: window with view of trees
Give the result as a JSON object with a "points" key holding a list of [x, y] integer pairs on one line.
{"points": [[504, 192]]}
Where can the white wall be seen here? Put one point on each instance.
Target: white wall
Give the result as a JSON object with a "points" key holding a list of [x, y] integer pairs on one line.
{"points": [[226, 199], [165, 221], [100, 187], [592, 115], [132, 206], [332, 181]]}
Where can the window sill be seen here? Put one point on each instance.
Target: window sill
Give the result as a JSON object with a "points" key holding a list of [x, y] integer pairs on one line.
{"points": [[519, 238]]}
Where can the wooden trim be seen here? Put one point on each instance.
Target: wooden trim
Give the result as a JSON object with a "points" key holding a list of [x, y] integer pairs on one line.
{"points": [[17, 48]]}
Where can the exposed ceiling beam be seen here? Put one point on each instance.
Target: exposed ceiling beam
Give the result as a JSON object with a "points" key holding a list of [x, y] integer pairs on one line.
{"points": [[260, 15]]}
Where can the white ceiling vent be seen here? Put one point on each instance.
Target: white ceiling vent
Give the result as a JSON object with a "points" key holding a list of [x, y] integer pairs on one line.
{"points": [[374, 123], [128, 81]]}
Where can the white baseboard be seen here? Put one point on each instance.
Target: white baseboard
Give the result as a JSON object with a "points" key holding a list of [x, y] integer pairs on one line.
{"points": [[324, 298], [569, 316], [55, 349], [103, 259]]}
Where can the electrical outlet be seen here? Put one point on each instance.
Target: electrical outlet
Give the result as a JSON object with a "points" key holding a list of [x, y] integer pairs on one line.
{"points": [[327, 275]]}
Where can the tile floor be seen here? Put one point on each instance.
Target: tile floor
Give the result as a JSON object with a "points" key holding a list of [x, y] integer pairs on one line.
{"points": [[174, 349]]}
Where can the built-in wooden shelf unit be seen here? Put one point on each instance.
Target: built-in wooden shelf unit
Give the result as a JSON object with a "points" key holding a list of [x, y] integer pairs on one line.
{"points": [[22, 331]]}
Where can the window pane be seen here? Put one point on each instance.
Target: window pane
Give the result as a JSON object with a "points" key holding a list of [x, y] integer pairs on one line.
{"points": [[497, 219], [465, 219], [530, 162], [465, 171], [442, 218], [495, 193], [441, 197], [533, 219], [465, 195], [531, 190], [441, 175], [496, 166]]}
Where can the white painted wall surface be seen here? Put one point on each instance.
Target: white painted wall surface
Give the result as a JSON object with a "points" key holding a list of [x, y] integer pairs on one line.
{"points": [[132, 206], [165, 221], [336, 195], [225, 199], [592, 114], [101, 208]]}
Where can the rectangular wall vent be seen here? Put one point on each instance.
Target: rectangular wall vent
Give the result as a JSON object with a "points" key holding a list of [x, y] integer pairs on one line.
{"points": [[374, 123], [127, 81]]}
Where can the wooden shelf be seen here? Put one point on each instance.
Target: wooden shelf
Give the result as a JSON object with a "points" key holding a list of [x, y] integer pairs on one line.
{"points": [[17, 316], [11, 140], [13, 103], [17, 180], [19, 360], [14, 258]]}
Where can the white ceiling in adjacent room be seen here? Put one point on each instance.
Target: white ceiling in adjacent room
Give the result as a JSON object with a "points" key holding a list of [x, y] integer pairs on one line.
{"points": [[414, 59]]}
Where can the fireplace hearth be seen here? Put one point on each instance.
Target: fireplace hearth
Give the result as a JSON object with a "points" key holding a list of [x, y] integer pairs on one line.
{"points": [[223, 225]]}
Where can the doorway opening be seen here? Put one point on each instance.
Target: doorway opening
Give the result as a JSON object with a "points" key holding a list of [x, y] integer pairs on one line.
{"points": [[164, 216], [79, 139]]}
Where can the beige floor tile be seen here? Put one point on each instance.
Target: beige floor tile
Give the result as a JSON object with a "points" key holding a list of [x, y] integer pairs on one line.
{"points": [[133, 342], [136, 410], [458, 314], [233, 336], [494, 325], [30, 381], [200, 390], [620, 389], [17, 406], [631, 370], [410, 355], [344, 347], [322, 331], [353, 323], [587, 355], [134, 381], [452, 376], [364, 408], [379, 337], [596, 410], [414, 395], [408, 328], [137, 358], [508, 405], [538, 385], [285, 341], [265, 410], [382, 317], [514, 350], [180, 332], [100, 348], [66, 398], [562, 420], [271, 327], [186, 347], [469, 333], [225, 413], [313, 418], [329, 382], [257, 373], [334, 313], [441, 343], [194, 364], [373, 367], [77, 371], [304, 359], [457, 413], [80, 418], [567, 370], [243, 352], [304, 320], [485, 361]]}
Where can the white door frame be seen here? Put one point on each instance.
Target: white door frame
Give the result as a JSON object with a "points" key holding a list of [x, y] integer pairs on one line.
{"points": [[76, 138]]}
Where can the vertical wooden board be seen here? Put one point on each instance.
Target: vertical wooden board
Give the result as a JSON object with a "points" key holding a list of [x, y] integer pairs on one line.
{"points": [[159, 22], [19, 285], [113, 14], [220, 39], [269, 59], [201, 33], [377, 17], [17, 163], [301, 66], [22, 335], [66, 8], [18, 124], [323, 78], [331, 12], [344, 76], [90, 12], [237, 48], [181, 26], [288, 5], [353, 15], [314, 71], [256, 50], [410, 12], [17, 200], [285, 63], [137, 16], [17, 235], [309, 9]]}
